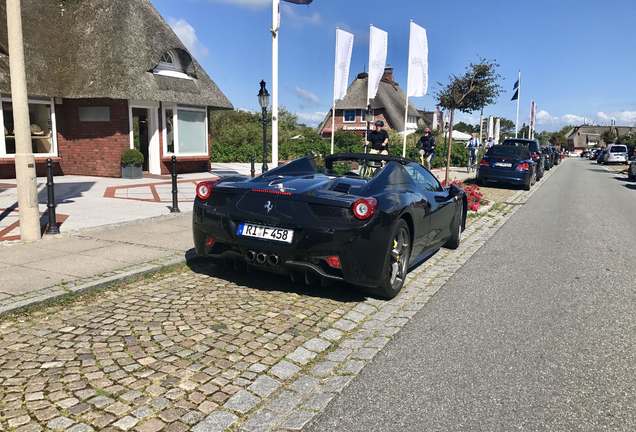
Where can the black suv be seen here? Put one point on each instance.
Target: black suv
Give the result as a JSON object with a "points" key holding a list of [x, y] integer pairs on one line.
{"points": [[535, 152]]}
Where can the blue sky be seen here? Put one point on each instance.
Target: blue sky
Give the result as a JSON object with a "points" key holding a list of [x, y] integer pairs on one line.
{"points": [[577, 57]]}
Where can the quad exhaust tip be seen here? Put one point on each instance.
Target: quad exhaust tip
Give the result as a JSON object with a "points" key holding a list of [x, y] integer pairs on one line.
{"points": [[250, 256], [261, 258], [273, 260]]}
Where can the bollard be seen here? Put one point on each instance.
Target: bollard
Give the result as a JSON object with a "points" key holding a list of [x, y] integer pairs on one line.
{"points": [[175, 191], [252, 167], [52, 227]]}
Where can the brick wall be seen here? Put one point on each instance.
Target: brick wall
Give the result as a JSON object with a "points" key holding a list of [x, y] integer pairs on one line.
{"points": [[92, 148]]}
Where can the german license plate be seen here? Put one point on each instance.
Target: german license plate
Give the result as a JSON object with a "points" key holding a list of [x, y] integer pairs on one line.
{"points": [[265, 232], [503, 164]]}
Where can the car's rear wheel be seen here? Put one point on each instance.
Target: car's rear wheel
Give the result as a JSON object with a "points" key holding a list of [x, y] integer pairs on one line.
{"points": [[397, 261], [456, 228]]}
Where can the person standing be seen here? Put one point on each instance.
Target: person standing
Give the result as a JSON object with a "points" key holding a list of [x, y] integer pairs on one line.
{"points": [[426, 146], [378, 139], [490, 142]]}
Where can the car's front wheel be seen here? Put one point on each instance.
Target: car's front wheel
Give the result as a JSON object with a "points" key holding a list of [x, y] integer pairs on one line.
{"points": [[397, 261]]}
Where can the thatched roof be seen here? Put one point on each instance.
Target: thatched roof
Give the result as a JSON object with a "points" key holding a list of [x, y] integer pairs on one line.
{"points": [[103, 49], [389, 96]]}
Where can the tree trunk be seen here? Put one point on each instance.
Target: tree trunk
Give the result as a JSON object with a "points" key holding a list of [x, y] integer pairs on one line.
{"points": [[450, 145]]}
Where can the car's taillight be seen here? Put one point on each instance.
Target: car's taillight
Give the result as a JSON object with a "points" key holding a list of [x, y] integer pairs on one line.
{"points": [[523, 166], [364, 208], [204, 189], [484, 162], [333, 261]]}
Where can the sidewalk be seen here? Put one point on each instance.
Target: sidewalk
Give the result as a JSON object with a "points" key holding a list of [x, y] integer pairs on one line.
{"points": [[85, 202], [35, 272]]}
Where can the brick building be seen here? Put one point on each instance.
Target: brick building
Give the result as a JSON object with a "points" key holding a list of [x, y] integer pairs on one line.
{"points": [[388, 105], [104, 76]]}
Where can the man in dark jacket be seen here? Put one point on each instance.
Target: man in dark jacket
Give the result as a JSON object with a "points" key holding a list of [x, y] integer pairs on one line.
{"points": [[378, 139], [427, 148]]}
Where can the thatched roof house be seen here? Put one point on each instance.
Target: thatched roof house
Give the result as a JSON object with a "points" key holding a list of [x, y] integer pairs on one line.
{"points": [[113, 71], [388, 105]]}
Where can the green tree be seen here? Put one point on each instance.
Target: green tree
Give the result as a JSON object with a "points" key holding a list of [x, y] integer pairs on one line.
{"points": [[476, 88], [609, 136], [466, 128]]}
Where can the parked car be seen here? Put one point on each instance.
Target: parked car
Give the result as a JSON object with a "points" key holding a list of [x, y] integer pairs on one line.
{"points": [[616, 153], [586, 153], [508, 164], [631, 171], [594, 154], [535, 153], [363, 219], [600, 156]]}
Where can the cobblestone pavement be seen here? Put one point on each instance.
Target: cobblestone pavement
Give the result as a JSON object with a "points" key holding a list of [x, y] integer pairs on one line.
{"points": [[200, 350]]}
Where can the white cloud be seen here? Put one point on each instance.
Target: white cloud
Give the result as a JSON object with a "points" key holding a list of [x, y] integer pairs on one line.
{"points": [[307, 96], [627, 118], [572, 119], [311, 118], [292, 12], [188, 36], [545, 118]]}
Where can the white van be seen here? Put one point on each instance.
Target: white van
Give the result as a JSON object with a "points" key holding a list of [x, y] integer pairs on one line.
{"points": [[616, 153]]}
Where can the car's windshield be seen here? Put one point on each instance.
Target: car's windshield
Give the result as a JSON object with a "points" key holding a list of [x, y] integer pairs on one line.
{"points": [[618, 149], [532, 145]]}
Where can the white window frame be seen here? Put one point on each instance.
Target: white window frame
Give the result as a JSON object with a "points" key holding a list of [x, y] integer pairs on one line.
{"points": [[175, 126], [3, 144], [344, 116]]}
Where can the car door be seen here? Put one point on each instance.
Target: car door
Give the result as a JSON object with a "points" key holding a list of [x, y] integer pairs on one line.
{"points": [[421, 208], [439, 205]]}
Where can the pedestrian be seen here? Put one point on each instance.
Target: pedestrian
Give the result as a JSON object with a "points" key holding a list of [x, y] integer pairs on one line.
{"points": [[426, 146], [473, 146], [378, 139], [490, 142]]}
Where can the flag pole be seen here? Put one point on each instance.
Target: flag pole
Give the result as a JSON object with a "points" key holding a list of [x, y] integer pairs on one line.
{"points": [[406, 105], [518, 99], [406, 117], [333, 107], [275, 29]]}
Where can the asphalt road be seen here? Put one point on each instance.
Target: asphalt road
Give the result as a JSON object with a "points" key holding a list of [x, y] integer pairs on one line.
{"points": [[537, 332]]}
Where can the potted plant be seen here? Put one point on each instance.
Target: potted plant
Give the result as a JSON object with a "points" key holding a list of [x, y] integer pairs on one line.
{"points": [[132, 162]]}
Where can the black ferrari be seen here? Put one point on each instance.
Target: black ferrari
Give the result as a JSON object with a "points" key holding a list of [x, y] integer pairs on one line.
{"points": [[359, 218]]}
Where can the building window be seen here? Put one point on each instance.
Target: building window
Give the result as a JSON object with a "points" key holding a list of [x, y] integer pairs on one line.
{"points": [[185, 131], [174, 64], [94, 114], [349, 116], [42, 117]]}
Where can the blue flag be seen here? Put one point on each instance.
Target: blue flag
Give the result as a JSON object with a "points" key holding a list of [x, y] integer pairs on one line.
{"points": [[516, 86], [515, 96]]}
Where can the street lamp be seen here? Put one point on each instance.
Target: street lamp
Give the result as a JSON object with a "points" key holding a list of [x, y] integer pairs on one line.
{"points": [[263, 100]]}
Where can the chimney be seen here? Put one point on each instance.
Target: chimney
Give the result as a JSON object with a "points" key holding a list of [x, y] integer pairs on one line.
{"points": [[388, 75]]}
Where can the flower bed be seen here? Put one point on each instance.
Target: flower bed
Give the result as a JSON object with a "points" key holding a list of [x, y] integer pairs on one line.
{"points": [[474, 196]]}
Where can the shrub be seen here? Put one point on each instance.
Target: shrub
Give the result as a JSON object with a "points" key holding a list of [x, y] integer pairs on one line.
{"points": [[132, 157]]}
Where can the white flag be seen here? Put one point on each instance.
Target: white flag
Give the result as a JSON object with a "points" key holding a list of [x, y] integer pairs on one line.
{"points": [[418, 62], [344, 48], [491, 127], [378, 46], [497, 130]]}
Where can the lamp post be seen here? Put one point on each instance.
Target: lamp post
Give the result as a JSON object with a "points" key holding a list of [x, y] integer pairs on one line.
{"points": [[263, 100]]}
